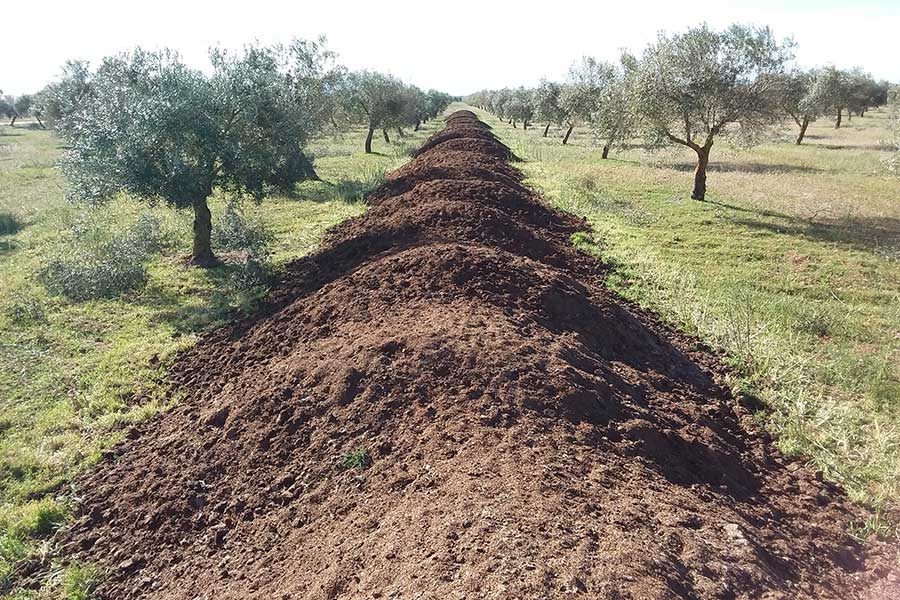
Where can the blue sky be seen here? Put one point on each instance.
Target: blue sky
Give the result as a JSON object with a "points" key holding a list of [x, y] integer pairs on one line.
{"points": [[459, 46]]}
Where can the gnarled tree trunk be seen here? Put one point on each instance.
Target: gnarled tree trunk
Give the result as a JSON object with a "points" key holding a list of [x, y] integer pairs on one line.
{"points": [[699, 192], [605, 154], [202, 255], [369, 139], [803, 126], [386, 138], [546, 129], [568, 133], [12, 122], [837, 124]]}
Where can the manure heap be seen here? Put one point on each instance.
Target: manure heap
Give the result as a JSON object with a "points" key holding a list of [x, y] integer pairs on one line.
{"points": [[445, 402]]}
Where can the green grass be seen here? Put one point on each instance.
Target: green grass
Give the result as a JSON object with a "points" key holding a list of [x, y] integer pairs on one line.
{"points": [[792, 268], [74, 374], [357, 459]]}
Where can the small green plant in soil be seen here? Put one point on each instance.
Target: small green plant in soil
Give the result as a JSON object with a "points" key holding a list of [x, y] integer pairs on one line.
{"points": [[357, 459]]}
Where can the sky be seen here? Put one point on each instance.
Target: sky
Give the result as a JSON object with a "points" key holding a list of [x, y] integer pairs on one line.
{"points": [[458, 47]]}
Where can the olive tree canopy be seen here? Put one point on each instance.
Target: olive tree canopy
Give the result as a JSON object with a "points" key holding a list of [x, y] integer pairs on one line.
{"points": [[800, 97], [692, 86], [579, 95], [612, 119], [158, 130], [66, 95], [521, 106], [546, 104], [374, 100]]}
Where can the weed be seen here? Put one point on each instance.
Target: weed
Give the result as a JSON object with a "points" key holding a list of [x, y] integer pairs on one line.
{"points": [[357, 459], [232, 231], [9, 224], [90, 273], [79, 581], [814, 323]]}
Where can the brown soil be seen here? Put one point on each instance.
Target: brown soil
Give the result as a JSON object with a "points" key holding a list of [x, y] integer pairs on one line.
{"points": [[467, 144], [527, 434], [462, 131]]}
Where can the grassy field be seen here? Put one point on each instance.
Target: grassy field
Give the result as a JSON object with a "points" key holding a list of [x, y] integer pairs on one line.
{"points": [[70, 372], [791, 267]]}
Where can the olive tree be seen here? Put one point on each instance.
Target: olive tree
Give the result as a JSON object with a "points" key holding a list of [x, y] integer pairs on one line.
{"points": [[374, 100], [546, 104], [8, 108], [65, 96], [521, 106], [692, 86], [862, 92], [158, 130], [317, 81], [800, 98], [501, 103], [579, 95], [841, 90], [25, 107], [612, 120], [436, 103]]}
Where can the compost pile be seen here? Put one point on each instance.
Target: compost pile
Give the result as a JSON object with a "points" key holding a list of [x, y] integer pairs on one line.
{"points": [[445, 402]]}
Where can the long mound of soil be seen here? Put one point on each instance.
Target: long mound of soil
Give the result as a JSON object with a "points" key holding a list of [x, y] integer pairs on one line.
{"points": [[445, 402]]}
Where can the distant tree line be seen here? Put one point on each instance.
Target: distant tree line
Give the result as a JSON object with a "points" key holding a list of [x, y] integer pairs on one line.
{"points": [[690, 89], [147, 125]]}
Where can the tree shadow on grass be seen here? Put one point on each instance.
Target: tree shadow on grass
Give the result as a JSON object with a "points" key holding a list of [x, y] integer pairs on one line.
{"points": [[222, 304], [346, 190], [880, 235], [876, 147], [874, 234], [7, 247], [754, 168]]}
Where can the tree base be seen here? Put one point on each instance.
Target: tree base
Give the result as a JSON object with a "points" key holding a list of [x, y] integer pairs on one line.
{"points": [[202, 262]]}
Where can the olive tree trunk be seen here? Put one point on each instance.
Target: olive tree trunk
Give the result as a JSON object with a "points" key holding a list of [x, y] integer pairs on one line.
{"points": [[202, 254], [369, 139], [605, 154], [699, 192], [568, 133], [386, 138], [803, 127], [837, 124], [546, 129], [12, 122]]}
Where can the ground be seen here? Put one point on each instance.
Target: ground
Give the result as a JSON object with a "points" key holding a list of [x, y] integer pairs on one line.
{"points": [[70, 371], [791, 269]]}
